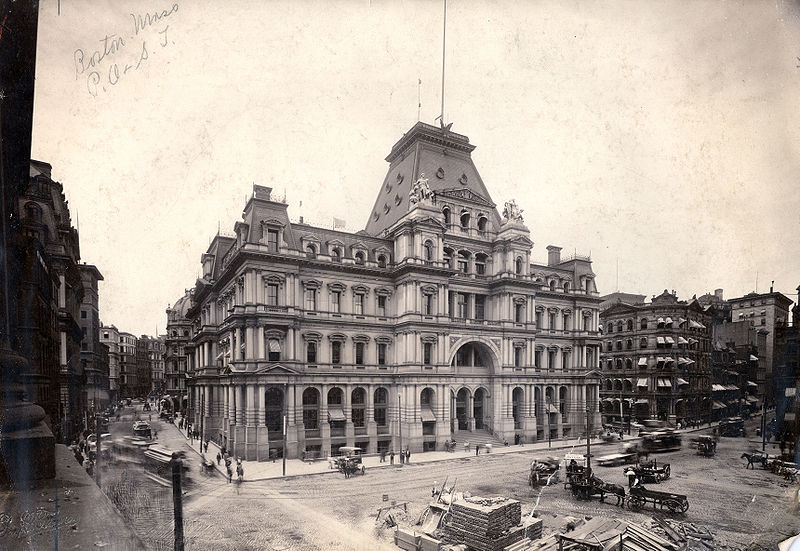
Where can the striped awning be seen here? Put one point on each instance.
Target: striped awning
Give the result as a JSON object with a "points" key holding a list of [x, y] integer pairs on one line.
{"points": [[663, 382], [668, 320], [336, 414], [752, 399], [642, 361], [719, 405], [681, 321], [642, 401], [669, 340], [751, 383], [682, 381], [660, 340], [427, 415], [669, 359], [660, 360], [696, 324], [660, 320], [681, 340], [642, 382], [717, 388], [551, 408], [753, 358], [731, 387]]}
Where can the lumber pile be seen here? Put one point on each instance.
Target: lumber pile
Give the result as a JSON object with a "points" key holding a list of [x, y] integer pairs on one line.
{"points": [[484, 524]]}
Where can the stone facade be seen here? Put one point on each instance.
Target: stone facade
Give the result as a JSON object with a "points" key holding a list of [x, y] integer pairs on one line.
{"points": [[656, 360], [109, 336], [431, 321], [179, 330], [92, 362]]}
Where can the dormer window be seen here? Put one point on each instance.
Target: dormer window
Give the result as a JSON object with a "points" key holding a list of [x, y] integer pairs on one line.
{"points": [[272, 240], [446, 212], [311, 251], [336, 255], [381, 261], [359, 257]]}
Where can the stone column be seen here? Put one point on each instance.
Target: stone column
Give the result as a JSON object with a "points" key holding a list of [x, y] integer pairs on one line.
{"points": [[262, 435], [293, 442], [325, 427], [349, 428], [372, 426]]}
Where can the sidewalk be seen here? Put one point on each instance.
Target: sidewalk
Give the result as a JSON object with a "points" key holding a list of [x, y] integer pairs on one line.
{"points": [[264, 470], [68, 512]]}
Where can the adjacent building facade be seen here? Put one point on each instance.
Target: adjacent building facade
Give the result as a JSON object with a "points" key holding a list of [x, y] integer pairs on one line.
{"points": [[176, 360], [128, 382], [109, 337], [93, 363], [431, 322], [656, 361]]}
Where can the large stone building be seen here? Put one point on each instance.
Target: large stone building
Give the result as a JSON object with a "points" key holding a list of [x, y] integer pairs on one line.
{"points": [[179, 329], [92, 362], [787, 378], [765, 311], [656, 361], [127, 365], [432, 322]]}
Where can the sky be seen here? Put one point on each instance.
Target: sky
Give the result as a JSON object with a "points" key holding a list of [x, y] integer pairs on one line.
{"points": [[658, 137]]}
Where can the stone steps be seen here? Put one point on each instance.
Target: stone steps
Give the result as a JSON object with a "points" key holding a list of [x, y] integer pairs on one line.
{"points": [[479, 436]]}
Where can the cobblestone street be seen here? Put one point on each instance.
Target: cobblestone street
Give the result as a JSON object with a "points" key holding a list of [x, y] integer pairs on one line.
{"points": [[328, 512]]}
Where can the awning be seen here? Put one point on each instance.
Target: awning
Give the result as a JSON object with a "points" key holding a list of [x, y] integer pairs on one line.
{"points": [[660, 360], [664, 383], [427, 415], [680, 381], [692, 341], [681, 340], [660, 321], [719, 405], [752, 399], [660, 340], [731, 387], [681, 321], [336, 414], [551, 408], [751, 383], [689, 361], [629, 400], [668, 321], [607, 400], [717, 388], [642, 401], [274, 345], [642, 382], [753, 358], [696, 325], [682, 361], [642, 361], [669, 359], [669, 340]]}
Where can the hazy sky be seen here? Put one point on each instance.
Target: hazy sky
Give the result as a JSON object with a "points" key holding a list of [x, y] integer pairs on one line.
{"points": [[658, 136]]}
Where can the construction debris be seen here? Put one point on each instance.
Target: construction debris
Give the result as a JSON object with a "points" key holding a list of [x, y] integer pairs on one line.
{"points": [[484, 524]]}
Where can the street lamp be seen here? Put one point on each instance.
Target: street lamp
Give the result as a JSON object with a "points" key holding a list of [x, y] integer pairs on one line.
{"points": [[549, 440]]}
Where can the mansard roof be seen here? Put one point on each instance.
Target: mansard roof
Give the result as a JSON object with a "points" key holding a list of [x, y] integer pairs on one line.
{"points": [[444, 158]]}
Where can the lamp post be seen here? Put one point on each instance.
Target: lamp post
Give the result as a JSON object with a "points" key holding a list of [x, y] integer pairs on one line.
{"points": [[549, 439]]}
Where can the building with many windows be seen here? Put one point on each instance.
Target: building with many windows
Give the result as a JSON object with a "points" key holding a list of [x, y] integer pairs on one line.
{"points": [[431, 323], [127, 365], [655, 361], [109, 336], [93, 364], [175, 356]]}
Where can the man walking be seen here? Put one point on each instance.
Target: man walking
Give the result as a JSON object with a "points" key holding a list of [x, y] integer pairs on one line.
{"points": [[408, 456], [391, 457]]}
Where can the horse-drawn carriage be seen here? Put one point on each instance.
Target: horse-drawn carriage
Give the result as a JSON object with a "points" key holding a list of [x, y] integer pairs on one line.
{"points": [[733, 426], [706, 446], [754, 457], [639, 496], [586, 485], [543, 471], [651, 471], [450, 445], [349, 461], [663, 440]]}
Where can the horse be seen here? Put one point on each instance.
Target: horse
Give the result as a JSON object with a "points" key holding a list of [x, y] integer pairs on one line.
{"points": [[752, 459], [608, 488]]}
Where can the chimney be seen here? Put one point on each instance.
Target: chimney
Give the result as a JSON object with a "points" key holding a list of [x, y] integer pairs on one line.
{"points": [[718, 294], [771, 285], [553, 255], [262, 192]]}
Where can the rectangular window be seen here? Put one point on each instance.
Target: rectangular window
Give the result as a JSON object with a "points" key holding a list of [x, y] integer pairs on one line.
{"points": [[83, 314], [586, 323], [272, 294], [518, 356], [274, 347], [538, 359], [551, 360], [551, 320], [381, 354], [311, 299], [272, 240], [427, 353], [381, 305], [461, 305], [566, 322], [336, 301], [480, 302], [538, 320], [336, 352], [564, 361], [358, 304], [463, 266], [519, 312], [480, 268], [359, 353]]}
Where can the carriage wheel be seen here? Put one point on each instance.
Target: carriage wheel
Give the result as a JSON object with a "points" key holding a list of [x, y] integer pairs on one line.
{"points": [[636, 502], [684, 506], [673, 505], [666, 472]]}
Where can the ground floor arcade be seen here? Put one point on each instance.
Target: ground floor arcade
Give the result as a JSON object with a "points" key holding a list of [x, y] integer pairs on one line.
{"points": [[259, 416]]}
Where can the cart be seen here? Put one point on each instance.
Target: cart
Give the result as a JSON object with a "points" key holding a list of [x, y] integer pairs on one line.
{"points": [[651, 471], [732, 427], [616, 459], [706, 446], [639, 496], [543, 471]]}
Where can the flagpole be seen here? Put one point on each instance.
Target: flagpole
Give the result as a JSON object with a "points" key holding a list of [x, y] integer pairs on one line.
{"points": [[444, 31]]}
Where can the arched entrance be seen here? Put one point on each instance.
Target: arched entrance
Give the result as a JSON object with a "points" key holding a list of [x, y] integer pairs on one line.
{"points": [[517, 402], [462, 406], [479, 407], [273, 408]]}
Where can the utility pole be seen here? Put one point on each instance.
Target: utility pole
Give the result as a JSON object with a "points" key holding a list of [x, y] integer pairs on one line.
{"points": [[97, 420], [764, 424], [549, 441], [399, 424], [285, 391], [588, 440], [177, 501]]}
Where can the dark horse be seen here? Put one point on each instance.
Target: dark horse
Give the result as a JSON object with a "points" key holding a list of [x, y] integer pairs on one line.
{"points": [[752, 459], [613, 489]]}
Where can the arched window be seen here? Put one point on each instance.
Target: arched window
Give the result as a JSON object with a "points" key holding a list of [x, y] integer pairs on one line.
{"points": [[629, 344], [643, 342], [311, 409], [185, 333], [553, 285], [336, 255], [428, 249], [630, 325], [311, 251], [381, 399], [465, 219], [643, 323], [381, 261], [628, 364], [566, 286], [359, 258], [619, 326], [518, 265], [482, 222], [446, 212]]}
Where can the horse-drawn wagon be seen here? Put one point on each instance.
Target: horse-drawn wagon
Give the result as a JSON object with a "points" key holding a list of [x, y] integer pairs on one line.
{"points": [[651, 471], [639, 496], [585, 486], [706, 446], [543, 471]]}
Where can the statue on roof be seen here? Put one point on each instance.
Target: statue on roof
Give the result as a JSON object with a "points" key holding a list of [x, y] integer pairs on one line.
{"points": [[512, 212], [420, 191]]}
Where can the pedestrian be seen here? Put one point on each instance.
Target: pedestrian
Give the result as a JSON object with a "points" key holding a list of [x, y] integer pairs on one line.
{"points": [[230, 473], [205, 447], [408, 455], [402, 456], [621, 437], [391, 457], [435, 489], [383, 456], [477, 449], [219, 458], [631, 477]]}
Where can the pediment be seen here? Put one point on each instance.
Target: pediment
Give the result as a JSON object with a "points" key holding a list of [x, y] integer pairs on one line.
{"points": [[465, 194], [277, 369]]}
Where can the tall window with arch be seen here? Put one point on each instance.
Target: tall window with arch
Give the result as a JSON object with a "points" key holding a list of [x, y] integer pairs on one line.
{"points": [[428, 250], [446, 212], [518, 266]]}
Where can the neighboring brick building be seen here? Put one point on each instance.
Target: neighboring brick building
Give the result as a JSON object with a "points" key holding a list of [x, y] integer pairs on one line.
{"points": [[92, 362], [787, 376], [127, 365], [655, 361], [433, 322], [109, 336]]}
